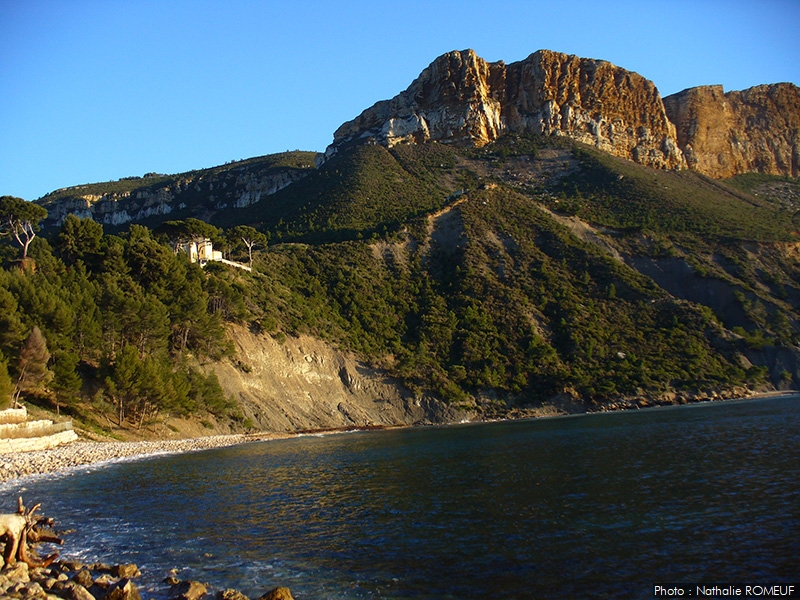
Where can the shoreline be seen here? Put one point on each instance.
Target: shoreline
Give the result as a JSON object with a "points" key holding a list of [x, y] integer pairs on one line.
{"points": [[66, 576], [83, 453]]}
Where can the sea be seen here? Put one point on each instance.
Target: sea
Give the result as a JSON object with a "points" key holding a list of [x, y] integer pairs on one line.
{"points": [[606, 505]]}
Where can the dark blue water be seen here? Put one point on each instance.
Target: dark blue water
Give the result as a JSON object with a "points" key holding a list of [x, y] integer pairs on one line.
{"points": [[601, 505]]}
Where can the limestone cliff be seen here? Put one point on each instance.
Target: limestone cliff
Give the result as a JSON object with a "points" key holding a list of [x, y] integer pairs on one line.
{"points": [[457, 99], [199, 194], [462, 99], [724, 134], [591, 101]]}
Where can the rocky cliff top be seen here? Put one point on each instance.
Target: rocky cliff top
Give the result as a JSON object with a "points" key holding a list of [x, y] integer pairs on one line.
{"points": [[454, 99], [725, 134], [462, 99]]}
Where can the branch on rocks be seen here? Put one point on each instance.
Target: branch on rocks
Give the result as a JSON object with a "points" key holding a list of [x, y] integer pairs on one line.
{"points": [[24, 527]]}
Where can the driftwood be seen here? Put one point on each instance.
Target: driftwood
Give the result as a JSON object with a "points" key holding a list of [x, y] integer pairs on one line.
{"points": [[22, 528]]}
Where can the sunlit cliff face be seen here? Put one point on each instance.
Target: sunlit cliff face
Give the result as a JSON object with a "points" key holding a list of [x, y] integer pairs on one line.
{"points": [[725, 134], [462, 99]]}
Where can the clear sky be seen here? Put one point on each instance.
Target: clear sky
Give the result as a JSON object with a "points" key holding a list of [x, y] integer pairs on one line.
{"points": [[95, 90]]}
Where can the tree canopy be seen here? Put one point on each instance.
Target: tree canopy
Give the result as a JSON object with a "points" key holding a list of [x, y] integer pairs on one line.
{"points": [[249, 237], [20, 219], [189, 230]]}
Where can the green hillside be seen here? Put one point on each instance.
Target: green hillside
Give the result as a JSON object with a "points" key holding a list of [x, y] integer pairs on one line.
{"points": [[365, 191], [494, 278]]}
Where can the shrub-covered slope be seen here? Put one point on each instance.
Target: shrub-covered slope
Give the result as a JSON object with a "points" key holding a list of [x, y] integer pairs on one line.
{"points": [[494, 279]]}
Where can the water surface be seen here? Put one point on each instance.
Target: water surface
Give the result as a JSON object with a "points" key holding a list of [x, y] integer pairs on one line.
{"points": [[603, 505]]}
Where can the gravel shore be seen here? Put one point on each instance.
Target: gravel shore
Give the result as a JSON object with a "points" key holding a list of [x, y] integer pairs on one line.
{"points": [[74, 581], [22, 464]]}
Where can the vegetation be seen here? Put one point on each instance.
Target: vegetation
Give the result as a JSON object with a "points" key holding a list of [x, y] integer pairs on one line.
{"points": [[123, 321], [359, 193], [521, 309], [509, 274], [19, 220]]}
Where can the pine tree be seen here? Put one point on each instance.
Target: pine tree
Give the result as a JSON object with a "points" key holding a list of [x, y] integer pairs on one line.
{"points": [[79, 239], [12, 331], [125, 380], [66, 381], [33, 357], [20, 220], [249, 237], [6, 387]]}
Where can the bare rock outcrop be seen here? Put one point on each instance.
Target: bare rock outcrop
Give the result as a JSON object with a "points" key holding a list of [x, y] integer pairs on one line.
{"points": [[200, 193], [456, 99], [301, 384], [462, 99], [725, 134], [591, 101]]}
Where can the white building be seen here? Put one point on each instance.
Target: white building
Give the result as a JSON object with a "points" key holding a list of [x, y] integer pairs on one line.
{"points": [[203, 252]]}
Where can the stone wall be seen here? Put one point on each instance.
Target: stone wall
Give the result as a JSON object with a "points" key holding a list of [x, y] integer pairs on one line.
{"points": [[8, 446], [13, 415], [17, 434]]}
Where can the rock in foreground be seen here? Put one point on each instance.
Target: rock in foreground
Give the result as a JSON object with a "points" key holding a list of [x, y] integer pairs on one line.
{"points": [[72, 580]]}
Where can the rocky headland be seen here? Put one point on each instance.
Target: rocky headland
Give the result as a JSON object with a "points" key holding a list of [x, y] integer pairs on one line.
{"points": [[462, 99]]}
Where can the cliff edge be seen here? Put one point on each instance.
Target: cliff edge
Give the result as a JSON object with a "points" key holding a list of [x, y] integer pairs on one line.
{"points": [[306, 384], [462, 99], [725, 134]]}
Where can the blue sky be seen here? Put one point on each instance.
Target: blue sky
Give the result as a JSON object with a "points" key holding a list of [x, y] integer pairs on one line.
{"points": [[98, 90]]}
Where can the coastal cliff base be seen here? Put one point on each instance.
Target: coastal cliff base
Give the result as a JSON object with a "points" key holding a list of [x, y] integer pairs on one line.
{"points": [[301, 383]]}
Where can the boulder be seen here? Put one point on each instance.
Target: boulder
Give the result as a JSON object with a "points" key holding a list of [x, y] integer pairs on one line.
{"points": [[127, 571], [230, 594], [83, 577], [75, 591], [33, 590], [17, 588], [19, 572], [187, 590], [105, 581], [71, 565], [124, 589], [49, 582], [279, 593]]}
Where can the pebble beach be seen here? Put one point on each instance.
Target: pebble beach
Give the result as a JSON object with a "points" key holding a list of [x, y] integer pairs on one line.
{"points": [[76, 454], [75, 581]]}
